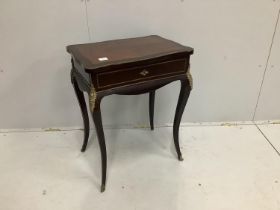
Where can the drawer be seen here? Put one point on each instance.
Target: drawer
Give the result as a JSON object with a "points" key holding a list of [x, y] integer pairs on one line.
{"points": [[140, 74]]}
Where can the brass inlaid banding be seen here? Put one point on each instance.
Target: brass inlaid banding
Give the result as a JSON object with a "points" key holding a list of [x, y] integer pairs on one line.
{"points": [[149, 75]]}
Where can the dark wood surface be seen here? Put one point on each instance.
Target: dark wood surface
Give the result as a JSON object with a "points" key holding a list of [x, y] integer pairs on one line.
{"points": [[83, 106], [134, 66], [125, 51], [125, 76]]}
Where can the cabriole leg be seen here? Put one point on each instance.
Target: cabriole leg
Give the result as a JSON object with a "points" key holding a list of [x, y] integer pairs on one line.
{"points": [[151, 108], [183, 98], [94, 101], [82, 103]]}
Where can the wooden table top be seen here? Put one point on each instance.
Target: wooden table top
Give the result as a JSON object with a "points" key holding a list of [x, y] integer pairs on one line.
{"points": [[94, 56]]}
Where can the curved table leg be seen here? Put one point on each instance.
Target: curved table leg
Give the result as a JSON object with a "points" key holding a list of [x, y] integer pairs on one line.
{"points": [[97, 119], [151, 108], [81, 99], [183, 98]]}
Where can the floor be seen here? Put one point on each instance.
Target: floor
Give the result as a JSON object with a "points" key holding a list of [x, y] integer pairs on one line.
{"points": [[225, 167]]}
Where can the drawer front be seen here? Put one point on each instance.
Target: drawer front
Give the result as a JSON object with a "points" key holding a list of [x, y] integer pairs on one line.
{"points": [[140, 74]]}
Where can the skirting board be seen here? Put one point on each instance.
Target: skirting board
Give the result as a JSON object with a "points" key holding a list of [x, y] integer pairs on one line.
{"points": [[144, 126]]}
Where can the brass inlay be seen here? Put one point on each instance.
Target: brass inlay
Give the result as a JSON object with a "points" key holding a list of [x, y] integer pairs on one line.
{"points": [[144, 72], [190, 79], [136, 80], [92, 98]]}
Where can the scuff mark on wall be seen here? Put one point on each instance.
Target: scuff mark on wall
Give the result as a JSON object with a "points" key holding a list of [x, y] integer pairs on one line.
{"points": [[52, 129], [229, 124]]}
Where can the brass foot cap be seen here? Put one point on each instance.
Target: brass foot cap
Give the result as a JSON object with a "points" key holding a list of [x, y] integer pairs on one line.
{"points": [[180, 158], [102, 188]]}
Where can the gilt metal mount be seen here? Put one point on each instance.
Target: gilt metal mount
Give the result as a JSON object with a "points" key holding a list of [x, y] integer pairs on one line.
{"points": [[189, 77], [92, 98]]}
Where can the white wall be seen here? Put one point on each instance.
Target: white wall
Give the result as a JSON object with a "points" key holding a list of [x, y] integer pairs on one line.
{"points": [[231, 41], [35, 87], [269, 102]]}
